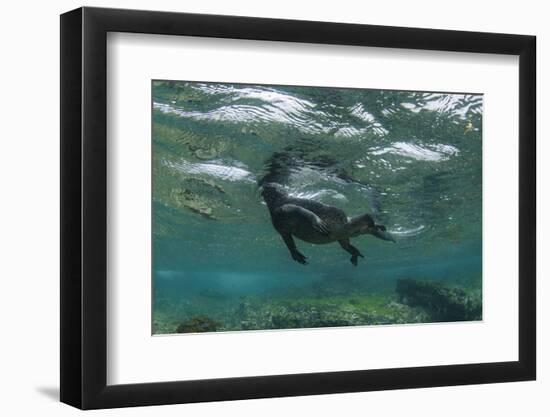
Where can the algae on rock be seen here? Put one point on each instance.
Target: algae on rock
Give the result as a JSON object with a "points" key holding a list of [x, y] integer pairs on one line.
{"points": [[441, 302], [199, 324]]}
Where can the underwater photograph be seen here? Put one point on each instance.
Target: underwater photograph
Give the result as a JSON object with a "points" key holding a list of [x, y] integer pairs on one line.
{"points": [[300, 207]]}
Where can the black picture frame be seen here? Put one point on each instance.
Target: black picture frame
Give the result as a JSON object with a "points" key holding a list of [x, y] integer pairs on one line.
{"points": [[84, 207]]}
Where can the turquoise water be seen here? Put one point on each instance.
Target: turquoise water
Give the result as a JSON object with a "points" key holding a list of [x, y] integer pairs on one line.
{"points": [[413, 160]]}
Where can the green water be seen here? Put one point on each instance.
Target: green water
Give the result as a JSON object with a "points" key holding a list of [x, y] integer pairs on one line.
{"points": [[411, 159]]}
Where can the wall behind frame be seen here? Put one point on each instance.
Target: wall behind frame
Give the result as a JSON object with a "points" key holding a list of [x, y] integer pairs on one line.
{"points": [[29, 176]]}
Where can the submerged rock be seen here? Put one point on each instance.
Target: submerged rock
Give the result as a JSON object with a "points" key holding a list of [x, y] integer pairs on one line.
{"points": [[301, 316], [198, 324], [326, 312], [192, 201], [442, 303]]}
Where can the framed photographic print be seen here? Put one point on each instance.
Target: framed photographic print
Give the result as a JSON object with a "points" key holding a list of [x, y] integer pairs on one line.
{"points": [[257, 208]]}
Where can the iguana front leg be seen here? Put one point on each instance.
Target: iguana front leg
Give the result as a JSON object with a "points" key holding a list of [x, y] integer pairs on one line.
{"points": [[352, 250], [296, 255]]}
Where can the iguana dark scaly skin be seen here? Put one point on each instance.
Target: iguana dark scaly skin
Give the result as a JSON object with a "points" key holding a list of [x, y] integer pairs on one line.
{"points": [[316, 223]]}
